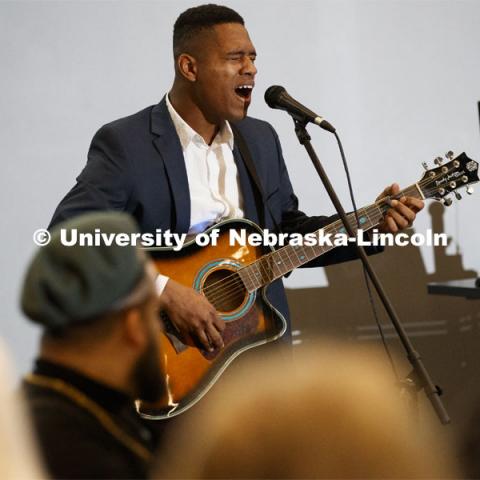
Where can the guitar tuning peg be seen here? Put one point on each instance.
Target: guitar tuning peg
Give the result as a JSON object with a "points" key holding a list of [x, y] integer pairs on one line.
{"points": [[438, 161], [469, 190], [449, 155], [424, 165], [447, 201], [458, 196]]}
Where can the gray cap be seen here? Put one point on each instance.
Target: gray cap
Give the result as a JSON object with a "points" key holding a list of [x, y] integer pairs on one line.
{"points": [[67, 285]]}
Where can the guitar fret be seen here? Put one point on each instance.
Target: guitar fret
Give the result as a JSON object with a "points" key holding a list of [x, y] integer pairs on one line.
{"points": [[413, 191], [265, 263], [377, 215], [249, 282], [259, 278], [287, 251], [296, 258], [258, 274], [368, 216], [275, 263], [318, 250], [300, 254], [279, 263], [313, 252]]}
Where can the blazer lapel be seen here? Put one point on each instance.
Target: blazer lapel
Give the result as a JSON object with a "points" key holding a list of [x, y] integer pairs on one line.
{"points": [[168, 146]]}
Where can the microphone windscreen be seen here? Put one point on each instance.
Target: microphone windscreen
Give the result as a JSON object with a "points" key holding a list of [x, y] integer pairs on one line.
{"points": [[272, 94]]}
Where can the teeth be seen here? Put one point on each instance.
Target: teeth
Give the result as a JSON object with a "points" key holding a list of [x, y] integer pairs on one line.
{"points": [[250, 87]]}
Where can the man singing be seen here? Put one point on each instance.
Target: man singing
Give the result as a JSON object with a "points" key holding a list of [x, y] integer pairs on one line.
{"points": [[177, 165]]}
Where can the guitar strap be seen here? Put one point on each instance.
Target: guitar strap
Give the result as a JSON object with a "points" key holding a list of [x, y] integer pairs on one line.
{"points": [[260, 199]]}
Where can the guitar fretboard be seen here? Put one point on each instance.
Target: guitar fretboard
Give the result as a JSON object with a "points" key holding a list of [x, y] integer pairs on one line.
{"points": [[282, 261]]}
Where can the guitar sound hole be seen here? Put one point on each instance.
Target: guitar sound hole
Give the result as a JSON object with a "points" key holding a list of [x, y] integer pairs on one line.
{"points": [[224, 290]]}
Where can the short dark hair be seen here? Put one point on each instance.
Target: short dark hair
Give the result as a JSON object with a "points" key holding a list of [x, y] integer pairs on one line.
{"points": [[195, 19]]}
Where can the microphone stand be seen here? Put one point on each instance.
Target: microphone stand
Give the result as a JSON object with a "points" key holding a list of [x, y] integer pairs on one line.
{"points": [[419, 378]]}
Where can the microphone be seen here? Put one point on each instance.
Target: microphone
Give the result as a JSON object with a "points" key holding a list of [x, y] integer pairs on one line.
{"points": [[277, 97]]}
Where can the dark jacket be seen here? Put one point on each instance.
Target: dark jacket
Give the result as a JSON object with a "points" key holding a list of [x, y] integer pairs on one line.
{"points": [[72, 440]]}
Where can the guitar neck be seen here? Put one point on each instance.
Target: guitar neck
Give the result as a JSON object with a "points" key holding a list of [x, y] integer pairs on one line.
{"points": [[282, 261]]}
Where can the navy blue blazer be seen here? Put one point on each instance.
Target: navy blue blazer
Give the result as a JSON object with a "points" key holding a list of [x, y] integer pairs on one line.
{"points": [[135, 164]]}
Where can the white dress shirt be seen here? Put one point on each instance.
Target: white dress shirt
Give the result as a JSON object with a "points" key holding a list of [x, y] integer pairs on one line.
{"points": [[212, 177]]}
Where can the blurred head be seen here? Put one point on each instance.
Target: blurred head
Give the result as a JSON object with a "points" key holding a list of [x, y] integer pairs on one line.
{"points": [[215, 61], [98, 306], [335, 413], [124, 341]]}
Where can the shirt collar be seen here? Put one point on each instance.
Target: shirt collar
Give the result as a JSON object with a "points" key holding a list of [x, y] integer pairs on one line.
{"points": [[187, 134]]}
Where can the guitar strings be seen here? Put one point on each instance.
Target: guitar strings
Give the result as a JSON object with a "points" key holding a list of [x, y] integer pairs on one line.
{"points": [[228, 285], [228, 288], [374, 206], [234, 278]]}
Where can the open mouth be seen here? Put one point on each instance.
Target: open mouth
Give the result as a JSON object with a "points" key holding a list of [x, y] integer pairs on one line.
{"points": [[244, 91]]}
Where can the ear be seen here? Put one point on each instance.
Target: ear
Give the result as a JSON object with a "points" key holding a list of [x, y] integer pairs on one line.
{"points": [[134, 329], [187, 67]]}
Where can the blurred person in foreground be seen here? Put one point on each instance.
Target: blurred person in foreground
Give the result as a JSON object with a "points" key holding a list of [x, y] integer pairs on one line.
{"points": [[98, 308], [338, 415], [469, 445], [18, 455]]}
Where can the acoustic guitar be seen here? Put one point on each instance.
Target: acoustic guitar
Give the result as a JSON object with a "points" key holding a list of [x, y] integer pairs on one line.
{"points": [[234, 279]]}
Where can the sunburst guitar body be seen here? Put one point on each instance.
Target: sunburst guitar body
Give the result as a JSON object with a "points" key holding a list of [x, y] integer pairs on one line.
{"points": [[250, 319]]}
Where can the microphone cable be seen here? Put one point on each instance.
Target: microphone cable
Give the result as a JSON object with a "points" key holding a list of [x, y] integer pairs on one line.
{"points": [[365, 274]]}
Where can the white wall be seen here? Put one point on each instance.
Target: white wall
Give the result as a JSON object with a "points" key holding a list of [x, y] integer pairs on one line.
{"points": [[399, 79]]}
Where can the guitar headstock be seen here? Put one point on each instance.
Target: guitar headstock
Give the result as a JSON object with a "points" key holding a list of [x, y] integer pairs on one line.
{"points": [[446, 178]]}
